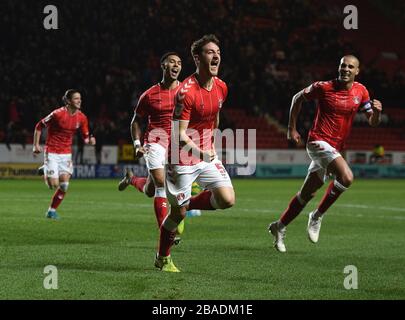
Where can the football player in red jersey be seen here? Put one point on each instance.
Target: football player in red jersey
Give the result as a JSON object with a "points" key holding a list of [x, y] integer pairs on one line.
{"points": [[338, 101], [156, 105], [192, 156], [62, 124]]}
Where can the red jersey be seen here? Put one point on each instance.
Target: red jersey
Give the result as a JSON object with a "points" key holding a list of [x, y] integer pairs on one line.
{"points": [[336, 109], [61, 128], [200, 107], [157, 104]]}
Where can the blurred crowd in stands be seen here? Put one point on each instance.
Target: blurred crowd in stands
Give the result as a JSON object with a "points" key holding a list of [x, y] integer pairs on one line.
{"points": [[110, 50]]}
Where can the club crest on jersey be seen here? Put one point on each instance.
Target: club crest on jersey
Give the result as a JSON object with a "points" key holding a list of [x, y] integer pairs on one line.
{"points": [[220, 103], [77, 125], [356, 100], [180, 196]]}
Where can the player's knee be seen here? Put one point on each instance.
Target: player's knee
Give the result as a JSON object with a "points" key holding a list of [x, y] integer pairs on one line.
{"points": [[227, 201], [64, 186], [52, 185], [346, 179]]}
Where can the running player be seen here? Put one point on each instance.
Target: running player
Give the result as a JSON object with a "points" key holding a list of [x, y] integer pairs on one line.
{"points": [[62, 124], [196, 115], [156, 105], [338, 101]]}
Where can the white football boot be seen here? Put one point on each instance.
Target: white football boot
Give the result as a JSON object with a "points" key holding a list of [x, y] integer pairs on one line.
{"points": [[314, 226], [279, 235]]}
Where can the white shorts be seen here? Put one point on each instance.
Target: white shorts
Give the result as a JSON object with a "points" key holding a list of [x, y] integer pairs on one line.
{"points": [[57, 164], [155, 156], [321, 157], [179, 179]]}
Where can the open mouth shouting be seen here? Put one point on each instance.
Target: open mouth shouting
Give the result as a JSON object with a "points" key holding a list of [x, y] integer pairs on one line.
{"points": [[345, 75], [174, 73], [214, 66]]}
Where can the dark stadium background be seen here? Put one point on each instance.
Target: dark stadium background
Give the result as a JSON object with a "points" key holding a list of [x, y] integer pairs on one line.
{"points": [[110, 50]]}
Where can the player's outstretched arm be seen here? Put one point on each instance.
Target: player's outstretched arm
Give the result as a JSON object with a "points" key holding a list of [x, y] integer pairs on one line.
{"points": [[296, 103], [374, 117]]}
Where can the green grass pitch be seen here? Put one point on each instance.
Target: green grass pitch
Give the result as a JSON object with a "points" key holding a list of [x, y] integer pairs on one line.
{"points": [[104, 245]]}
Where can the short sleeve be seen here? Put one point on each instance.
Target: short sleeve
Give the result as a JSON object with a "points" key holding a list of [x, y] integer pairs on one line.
{"points": [[224, 89], [44, 123], [48, 119], [141, 108], [365, 105], [314, 91]]}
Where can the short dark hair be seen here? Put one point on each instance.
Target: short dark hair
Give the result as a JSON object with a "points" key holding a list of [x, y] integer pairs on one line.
{"points": [[69, 94], [170, 53], [352, 56], [196, 47]]}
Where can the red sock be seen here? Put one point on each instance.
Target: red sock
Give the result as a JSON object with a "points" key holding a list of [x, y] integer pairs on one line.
{"points": [[332, 193], [138, 182], [166, 241], [57, 198], [293, 210], [201, 201], [160, 205]]}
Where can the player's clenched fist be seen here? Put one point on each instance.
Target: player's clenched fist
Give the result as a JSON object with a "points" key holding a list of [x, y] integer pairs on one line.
{"points": [[208, 155], [293, 135], [91, 141], [376, 105], [139, 152], [36, 149]]}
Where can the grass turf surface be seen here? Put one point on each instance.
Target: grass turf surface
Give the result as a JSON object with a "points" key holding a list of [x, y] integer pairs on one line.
{"points": [[104, 245]]}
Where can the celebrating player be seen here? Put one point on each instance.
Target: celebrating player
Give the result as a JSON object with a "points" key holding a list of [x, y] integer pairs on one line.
{"points": [[337, 103], [156, 104], [62, 124], [198, 103]]}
